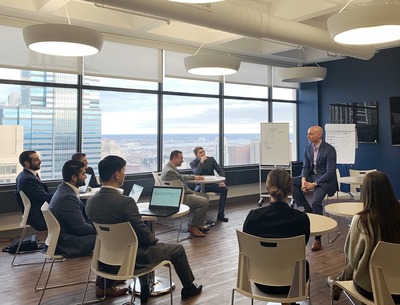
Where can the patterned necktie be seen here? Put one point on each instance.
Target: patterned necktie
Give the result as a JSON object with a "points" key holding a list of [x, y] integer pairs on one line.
{"points": [[315, 158], [38, 177]]}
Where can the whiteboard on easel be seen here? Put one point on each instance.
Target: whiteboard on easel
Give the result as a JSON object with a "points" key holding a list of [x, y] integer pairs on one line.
{"points": [[275, 144], [344, 138]]}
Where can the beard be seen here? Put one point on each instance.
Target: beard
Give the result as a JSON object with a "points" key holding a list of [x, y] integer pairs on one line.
{"points": [[80, 182]]}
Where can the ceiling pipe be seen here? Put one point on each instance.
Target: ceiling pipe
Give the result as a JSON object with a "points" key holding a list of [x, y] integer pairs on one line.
{"points": [[245, 21]]}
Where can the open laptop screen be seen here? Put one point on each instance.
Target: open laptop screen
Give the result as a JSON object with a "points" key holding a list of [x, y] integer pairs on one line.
{"points": [[166, 196], [136, 191]]}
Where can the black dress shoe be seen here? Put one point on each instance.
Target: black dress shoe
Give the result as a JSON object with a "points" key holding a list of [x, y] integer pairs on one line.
{"points": [[222, 218], [193, 290], [209, 223]]}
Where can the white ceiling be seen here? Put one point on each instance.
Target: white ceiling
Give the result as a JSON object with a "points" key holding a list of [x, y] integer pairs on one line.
{"points": [[257, 30]]}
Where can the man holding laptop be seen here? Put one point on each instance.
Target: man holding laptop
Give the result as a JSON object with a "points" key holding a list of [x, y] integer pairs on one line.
{"points": [[109, 206]]}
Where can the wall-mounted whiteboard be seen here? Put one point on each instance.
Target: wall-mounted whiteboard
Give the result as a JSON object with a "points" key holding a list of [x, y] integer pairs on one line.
{"points": [[275, 144], [344, 138]]}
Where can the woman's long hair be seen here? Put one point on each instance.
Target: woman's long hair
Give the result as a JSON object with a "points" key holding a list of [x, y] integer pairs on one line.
{"points": [[279, 184], [381, 213]]}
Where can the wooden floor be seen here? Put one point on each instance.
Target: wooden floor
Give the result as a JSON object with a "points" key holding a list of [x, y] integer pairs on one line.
{"points": [[213, 260]]}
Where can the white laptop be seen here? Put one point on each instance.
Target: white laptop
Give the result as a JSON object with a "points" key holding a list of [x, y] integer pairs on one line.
{"points": [[84, 188], [136, 191], [164, 201]]}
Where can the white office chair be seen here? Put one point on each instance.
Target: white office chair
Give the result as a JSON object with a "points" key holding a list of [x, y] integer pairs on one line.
{"points": [[272, 262], [53, 233], [116, 245], [355, 190], [23, 224], [157, 178], [384, 271]]}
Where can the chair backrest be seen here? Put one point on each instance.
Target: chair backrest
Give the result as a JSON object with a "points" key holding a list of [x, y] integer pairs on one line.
{"points": [[157, 178], [272, 262], [116, 244], [384, 271], [360, 173], [53, 230], [27, 209]]}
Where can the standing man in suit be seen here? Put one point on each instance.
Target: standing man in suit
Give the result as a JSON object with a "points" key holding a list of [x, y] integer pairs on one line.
{"points": [[109, 206], [82, 157], [197, 202], [78, 235], [318, 176], [29, 182], [205, 165]]}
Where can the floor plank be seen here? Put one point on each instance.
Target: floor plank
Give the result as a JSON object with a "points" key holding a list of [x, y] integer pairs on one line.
{"points": [[213, 260]]}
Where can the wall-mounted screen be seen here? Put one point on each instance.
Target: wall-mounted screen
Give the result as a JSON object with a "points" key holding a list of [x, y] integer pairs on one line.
{"points": [[395, 119], [363, 114]]}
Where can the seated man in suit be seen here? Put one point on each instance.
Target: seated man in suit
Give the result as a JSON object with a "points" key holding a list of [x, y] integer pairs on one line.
{"points": [[78, 235], [197, 202], [29, 182], [204, 165], [82, 157], [109, 206], [318, 176]]}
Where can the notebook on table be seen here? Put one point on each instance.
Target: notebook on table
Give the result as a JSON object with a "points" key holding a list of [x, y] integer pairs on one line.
{"points": [[136, 191], [84, 188], [164, 201]]}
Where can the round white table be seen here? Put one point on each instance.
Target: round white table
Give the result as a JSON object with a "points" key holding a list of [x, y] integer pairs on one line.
{"points": [[160, 284], [320, 224], [207, 180], [344, 209]]}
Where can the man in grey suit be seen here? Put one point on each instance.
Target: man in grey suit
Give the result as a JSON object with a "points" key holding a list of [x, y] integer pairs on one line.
{"points": [[318, 176], [197, 202], [77, 235], [109, 206]]}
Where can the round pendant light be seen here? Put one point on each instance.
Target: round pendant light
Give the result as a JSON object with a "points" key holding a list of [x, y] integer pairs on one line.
{"points": [[62, 39], [212, 64], [302, 74], [365, 25]]}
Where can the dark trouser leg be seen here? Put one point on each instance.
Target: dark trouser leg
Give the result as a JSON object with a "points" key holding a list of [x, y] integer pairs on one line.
{"points": [[181, 265], [298, 195], [317, 198], [223, 193]]}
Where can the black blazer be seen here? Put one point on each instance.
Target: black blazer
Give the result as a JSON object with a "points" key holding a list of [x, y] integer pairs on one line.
{"points": [[38, 193]]}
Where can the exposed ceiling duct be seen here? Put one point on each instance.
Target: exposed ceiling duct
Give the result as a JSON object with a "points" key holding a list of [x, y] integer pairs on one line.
{"points": [[245, 21]]}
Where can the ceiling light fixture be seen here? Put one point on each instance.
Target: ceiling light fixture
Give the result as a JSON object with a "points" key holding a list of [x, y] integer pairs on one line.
{"points": [[62, 39], [365, 25], [212, 64], [302, 74]]}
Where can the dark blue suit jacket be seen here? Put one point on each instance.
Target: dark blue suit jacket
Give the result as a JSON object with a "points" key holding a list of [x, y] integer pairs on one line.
{"points": [[38, 193], [77, 235], [326, 167]]}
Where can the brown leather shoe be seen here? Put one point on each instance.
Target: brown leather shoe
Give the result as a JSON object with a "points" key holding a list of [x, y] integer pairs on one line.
{"points": [[196, 232], [316, 246], [111, 292]]}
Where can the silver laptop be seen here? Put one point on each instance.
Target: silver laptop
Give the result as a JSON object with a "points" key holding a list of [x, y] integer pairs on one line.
{"points": [[164, 201], [136, 191], [84, 188]]}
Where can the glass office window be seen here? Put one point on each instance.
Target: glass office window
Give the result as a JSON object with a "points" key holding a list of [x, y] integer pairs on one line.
{"points": [[119, 83], [189, 122], [245, 90], [123, 124], [287, 94], [190, 86], [38, 76], [242, 130], [48, 116]]}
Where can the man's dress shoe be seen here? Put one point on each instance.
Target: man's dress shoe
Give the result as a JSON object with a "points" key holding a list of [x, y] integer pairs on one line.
{"points": [[193, 290], [222, 218], [196, 232], [111, 292], [316, 246], [204, 229]]}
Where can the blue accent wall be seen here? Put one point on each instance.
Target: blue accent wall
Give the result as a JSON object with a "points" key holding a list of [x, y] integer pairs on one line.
{"points": [[352, 80]]}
